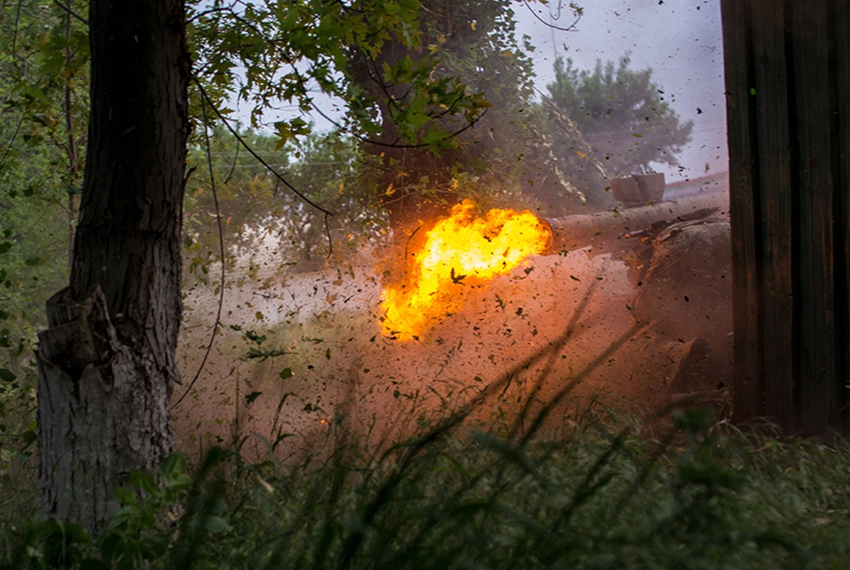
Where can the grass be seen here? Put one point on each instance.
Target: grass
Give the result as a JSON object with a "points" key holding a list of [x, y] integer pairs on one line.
{"points": [[609, 493], [583, 488]]}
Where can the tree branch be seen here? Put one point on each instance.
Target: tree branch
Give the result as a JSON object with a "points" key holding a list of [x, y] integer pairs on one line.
{"points": [[222, 257], [12, 140], [67, 10], [570, 28], [254, 154], [303, 83]]}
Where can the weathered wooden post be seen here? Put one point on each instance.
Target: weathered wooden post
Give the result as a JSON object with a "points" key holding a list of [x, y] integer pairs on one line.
{"points": [[788, 106]]}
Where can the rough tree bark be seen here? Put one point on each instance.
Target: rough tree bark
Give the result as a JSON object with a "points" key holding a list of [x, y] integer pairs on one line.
{"points": [[106, 362]]}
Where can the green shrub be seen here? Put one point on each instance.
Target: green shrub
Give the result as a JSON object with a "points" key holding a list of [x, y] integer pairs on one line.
{"points": [[608, 495]]}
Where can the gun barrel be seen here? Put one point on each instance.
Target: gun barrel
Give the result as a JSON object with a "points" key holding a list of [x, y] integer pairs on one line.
{"points": [[605, 231]]}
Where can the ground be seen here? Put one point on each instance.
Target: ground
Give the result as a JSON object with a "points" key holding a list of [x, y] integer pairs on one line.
{"points": [[559, 323]]}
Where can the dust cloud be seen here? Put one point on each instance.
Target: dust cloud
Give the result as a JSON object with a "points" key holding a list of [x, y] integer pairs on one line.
{"points": [[298, 353]]}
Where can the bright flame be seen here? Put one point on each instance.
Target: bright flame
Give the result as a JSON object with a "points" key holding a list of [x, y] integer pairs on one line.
{"points": [[461, 252]]}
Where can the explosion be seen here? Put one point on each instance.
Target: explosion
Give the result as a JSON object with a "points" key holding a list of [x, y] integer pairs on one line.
{"points": [[461, 252]]}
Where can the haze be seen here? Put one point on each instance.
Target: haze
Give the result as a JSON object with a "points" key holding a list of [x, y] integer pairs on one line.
{"points": [[680, 40]]}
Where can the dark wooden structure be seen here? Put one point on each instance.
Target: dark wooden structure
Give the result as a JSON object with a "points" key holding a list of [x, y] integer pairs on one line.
{"points": [[788, 105]]}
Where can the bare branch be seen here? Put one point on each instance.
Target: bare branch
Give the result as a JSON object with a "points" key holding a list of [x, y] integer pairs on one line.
{"points": [[67, 9], [221, 253], [12, 140], [254, 154], [210, 11], [570, 28]]}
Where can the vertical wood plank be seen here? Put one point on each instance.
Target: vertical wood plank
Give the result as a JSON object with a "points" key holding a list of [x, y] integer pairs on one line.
{"points": [[816, 298], [775, 206], [788, 106], [841, 18], [748, 389]]}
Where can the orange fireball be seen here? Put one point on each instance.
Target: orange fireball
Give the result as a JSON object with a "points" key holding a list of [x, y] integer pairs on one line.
{"points": [[461, 251]]}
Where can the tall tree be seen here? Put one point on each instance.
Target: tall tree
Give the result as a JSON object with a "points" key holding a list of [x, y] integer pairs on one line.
{"points": [[476, 41], [106, 362], [374, 57], [624, 115]]}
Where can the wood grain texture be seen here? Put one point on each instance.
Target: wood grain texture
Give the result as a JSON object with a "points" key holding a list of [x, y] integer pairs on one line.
{"points": [[775, 224], [748, 392], [788, 147], [814, 239], [841, 160]]}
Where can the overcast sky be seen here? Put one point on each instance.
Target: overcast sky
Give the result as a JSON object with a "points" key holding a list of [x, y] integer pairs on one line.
{"points": [[680, 40]]}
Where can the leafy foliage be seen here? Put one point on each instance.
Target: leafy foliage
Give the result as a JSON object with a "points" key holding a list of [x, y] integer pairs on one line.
{"points": [[260, 219], [138, 532], [271, 52], [246, 193], [504, 158], [623, 115], [42, 89], [330, 168], [605, 494], [44, 67]]}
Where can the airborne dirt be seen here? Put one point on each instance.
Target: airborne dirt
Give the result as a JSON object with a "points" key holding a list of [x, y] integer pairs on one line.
{"points": [[558, 323]]}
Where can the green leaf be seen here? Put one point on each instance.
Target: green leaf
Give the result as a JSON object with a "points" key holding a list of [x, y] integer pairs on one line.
{"points": [[289, 130], [34, 261], [215, 524], [253, 336], [126, 496], [178, 483], [5, 246], [143, 481], [29, 437], [7, 375], [286, 373], [174, 465]]}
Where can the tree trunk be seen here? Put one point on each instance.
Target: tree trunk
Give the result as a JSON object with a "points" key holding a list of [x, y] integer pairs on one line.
{"points": [[402, 167], [107, 362]]}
